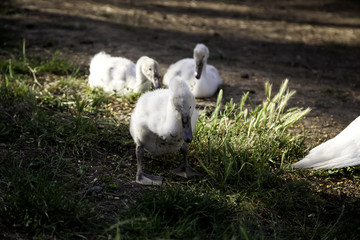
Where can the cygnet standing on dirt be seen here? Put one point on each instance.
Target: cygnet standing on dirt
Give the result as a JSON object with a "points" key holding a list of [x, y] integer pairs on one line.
{"points": [[162, 122], [122, 75], [341, 151], [203, 79]]}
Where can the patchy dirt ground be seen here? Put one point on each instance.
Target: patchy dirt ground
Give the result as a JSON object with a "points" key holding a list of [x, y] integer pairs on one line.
{"points": [[316, 44]]}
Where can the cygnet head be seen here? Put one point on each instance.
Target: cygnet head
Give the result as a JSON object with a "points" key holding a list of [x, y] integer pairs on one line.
{"points": [[184, 103], [201, 54], [149, 68]]}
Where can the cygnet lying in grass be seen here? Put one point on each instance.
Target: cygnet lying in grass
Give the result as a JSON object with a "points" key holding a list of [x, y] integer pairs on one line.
{"points": [[122, 75], [203, 79]]}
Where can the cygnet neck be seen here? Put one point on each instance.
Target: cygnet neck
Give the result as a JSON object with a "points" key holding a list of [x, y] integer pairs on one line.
{"points": [[171, 120], [140, 77]]}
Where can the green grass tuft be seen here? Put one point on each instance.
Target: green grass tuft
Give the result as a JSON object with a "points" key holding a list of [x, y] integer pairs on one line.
{"points": [[239, 145]]}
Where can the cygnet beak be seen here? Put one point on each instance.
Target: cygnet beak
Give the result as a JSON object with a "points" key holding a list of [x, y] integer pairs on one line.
{"points": [[187, 131], [156, 80], [198, 71]]}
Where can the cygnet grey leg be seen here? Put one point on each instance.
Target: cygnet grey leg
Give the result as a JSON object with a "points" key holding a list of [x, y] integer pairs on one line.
{"points": [[185, 170], [141, 177]]}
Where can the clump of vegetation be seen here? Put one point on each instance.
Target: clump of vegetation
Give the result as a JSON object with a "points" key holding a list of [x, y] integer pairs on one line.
{"points": [[240, 145]]}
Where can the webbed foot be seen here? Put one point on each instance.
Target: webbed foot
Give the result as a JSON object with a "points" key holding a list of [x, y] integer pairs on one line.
{"points": [[186, 171], [147, 179]]}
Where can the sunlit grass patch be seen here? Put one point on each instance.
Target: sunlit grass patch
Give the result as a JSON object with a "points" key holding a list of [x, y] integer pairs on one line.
{"points": [[53, 64], [238, 144], [38, 118]]}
